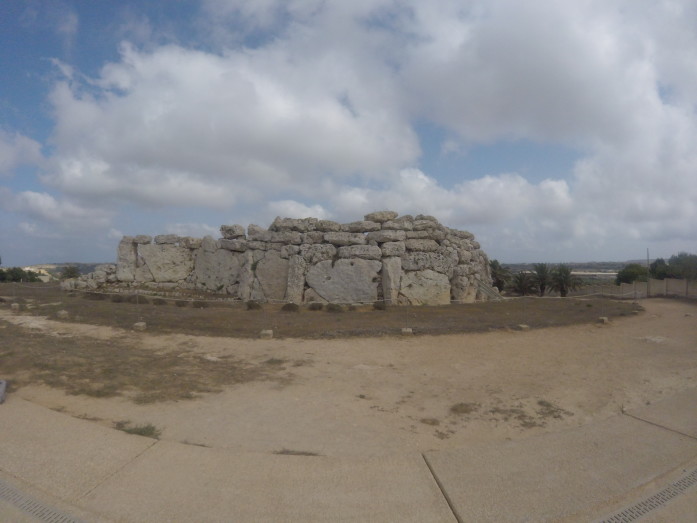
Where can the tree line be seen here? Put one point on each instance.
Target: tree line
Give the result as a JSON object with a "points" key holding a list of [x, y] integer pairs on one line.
{"points": [[682, 266], [542, 279]]}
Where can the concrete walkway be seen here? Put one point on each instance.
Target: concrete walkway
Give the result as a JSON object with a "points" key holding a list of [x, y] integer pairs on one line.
{"points": [[57, 468]]}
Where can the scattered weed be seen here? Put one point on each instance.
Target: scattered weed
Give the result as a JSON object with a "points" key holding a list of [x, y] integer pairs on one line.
{"points": [[334, 307], [291, 307], [315, 306], [464, 408], [379, 306], [253, 305], [148, 430], [288, 452]]}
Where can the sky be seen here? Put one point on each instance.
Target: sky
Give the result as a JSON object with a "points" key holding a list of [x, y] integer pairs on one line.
{"points": [[553, 131]]}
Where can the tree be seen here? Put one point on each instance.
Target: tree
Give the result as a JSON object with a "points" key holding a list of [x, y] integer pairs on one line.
{"points": [[659, 269], [500, 275], [69, 271], [15, 274], [683, 265], [631, 273], [542, 277], [563, 281], [523, 283]]}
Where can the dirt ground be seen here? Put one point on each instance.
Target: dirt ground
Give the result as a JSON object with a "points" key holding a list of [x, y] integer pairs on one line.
{"points": [[354, 396]]}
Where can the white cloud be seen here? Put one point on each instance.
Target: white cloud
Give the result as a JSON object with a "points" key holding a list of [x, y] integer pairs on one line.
{"points": [[55, 213], [196, 230], [294, 209], [17, 149]]}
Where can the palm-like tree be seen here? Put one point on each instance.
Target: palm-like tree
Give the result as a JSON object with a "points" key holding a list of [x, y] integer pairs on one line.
{"points": [[499, 275], [523, 283], [542, 277], [563, 281]]}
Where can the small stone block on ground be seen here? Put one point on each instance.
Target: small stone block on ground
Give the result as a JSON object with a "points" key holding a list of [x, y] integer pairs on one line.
{"points": [[266, 334], [407, 331], [604, 320], [62, 315], [140, 326]]}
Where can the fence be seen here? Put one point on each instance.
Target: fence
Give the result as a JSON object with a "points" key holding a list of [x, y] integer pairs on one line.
{"points": [[647, 289]]}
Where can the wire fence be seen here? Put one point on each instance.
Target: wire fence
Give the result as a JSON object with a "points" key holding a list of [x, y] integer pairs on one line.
{"points": [[669, 287]]}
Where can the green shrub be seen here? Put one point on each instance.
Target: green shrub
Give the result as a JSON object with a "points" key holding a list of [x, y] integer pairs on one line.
{"points": [[315, 306], [291, 307], [116, 298], [96, 296], [200, 304], [253, 305], [159, 301], [181, 303], [379, 306], [334, 307]]}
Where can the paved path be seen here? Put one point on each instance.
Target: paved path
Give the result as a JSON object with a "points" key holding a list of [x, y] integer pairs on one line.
{"points": [[57, 468]]}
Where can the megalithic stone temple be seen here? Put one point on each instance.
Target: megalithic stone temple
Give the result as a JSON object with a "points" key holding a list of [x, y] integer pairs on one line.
{"points": [[402, 260]]}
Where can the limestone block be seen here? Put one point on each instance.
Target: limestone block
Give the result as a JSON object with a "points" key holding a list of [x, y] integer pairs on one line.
{"points": [[293, 224], [289, 250], [344, 238], [239, 245], [361, 226], [328, 226], [312, 237], [465, 235], [167, 262], [386, 236], [318, 252], [266, 334], [126, 259], [140, 326], [461, 288], [426, 288], [142, 239], [403, 223], [246, 275], [418, 235], [421, 245], [296, 279], [424, 225], [418, 261], [366, 252], [232, 232], [380, 216], [272, 274], [190, 243], [216, 271], [311, 296], [464, 256], [391, 279], [166, 239], [254, 245], [426, 217], [62, 314], [352, 281], [256, 233], [209, 244], [393, 248]]}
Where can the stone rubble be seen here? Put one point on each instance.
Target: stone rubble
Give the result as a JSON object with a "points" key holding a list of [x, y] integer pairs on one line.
{"points": [[402, 260]]}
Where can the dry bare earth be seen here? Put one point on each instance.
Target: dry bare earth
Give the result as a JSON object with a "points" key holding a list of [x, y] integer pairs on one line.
{"points": [[356, 396]]}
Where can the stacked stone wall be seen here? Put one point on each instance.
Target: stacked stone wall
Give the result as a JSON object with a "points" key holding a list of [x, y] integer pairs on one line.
{"points": [[399, 259]]}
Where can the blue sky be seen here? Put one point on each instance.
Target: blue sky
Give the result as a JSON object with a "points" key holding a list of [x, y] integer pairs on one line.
{"points": [[554, 131]]}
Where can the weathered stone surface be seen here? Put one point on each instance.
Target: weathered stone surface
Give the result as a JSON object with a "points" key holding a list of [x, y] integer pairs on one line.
{"points": [[391, 279], [418, 234], [216, 271], [232, 232], [190, 243], [272, 274], [380, 216], [167, 262], [347, 281], [289, 250], [233, 245], [294, 224], [366, 252], [126, 259], [465, 235], [166, 239], [418, 261], [386, 236], [246, 260], [393, 249], [426, 288], [311, 296], [464, 256], [344, 238], [425, 217], [424, 225], [361, 226], [421, 245], [403, 223], [209, 244], [317, 252], [328, 226], [256, 233], [142, 239], [296, 279], [312, 237]]}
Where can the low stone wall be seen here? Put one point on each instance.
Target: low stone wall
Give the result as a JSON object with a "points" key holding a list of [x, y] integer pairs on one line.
{"points": [[401, 260]]}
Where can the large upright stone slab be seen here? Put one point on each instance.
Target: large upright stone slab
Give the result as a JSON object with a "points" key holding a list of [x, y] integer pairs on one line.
{"points": [[296, 279], [391, 279], [126, 259], [272, 274], [167, 263], [426, 288], [216, 270], [346, 281]]}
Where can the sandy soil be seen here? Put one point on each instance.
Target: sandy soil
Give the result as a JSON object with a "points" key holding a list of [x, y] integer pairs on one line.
{"points": [[375, 396]]}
